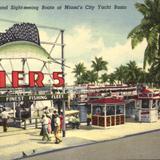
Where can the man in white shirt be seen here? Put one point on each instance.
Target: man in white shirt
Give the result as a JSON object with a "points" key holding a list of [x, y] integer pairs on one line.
{"points": [[45, 122], [5, 117]]}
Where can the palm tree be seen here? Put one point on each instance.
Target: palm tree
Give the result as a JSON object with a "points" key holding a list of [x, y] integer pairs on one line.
{"points": [[79, 80], [132, 73], [78, 71], [149, 78], [112, 79], [104, 78], [155, 71], [120, 73], [148, 29], [99, 64], [87, 77], [142, 76], [92, 76]]}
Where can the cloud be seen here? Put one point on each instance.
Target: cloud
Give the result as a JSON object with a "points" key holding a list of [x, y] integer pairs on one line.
{"points": [[80, 41], [82, 47], [123, 53]]}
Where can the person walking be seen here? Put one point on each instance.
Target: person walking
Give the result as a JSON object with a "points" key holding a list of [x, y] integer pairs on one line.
{"points": [[45, 128], [57, 129], [61, 121], [53, 120], [49, 124], [46, 110], [5, 117]]}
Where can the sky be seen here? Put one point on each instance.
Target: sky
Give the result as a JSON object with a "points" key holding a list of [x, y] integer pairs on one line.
{"points": [[89, 30]]}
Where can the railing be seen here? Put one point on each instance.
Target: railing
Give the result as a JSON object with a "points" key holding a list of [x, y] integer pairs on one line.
{"points": [[28, 123], [109, 120]]}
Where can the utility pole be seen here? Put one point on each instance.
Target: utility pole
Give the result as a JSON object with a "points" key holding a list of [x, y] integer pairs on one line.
{"points": [[63, 88]]}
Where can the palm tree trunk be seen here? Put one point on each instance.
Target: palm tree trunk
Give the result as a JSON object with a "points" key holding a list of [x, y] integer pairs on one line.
{"points": [[159, 44]]}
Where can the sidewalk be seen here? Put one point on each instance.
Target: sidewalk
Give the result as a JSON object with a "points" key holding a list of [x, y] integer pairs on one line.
{"points": [[16, 140]]}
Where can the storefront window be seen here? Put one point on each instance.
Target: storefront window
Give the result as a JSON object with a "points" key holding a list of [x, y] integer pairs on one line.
{"points": [[154, 103], [145, 103], [98, 110], [120, 109], [110, 110]]}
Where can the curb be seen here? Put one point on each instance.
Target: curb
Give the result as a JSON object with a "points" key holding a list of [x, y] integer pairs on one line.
{"points": [[87, 144]]}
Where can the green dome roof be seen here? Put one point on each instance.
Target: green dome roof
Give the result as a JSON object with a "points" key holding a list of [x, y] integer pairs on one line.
{"points": [[24, 49]]}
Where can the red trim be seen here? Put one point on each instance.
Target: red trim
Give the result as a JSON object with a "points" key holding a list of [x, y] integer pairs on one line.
{"points": [[145, 91], [107, 101]]}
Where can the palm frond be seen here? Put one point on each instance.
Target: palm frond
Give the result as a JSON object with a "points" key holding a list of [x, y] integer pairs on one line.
{"points": [[142, 8]]}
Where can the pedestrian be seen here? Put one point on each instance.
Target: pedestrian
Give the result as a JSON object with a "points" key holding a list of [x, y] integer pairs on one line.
{"points": [[49, 124], [53, 120], [57, 129], [41, 132], [61, 121], [89, 118], [46, 110], [45, 128], [5, 117]]}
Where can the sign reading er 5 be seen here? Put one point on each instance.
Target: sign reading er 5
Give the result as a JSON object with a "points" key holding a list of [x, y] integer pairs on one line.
{"points": [[35, 79]]}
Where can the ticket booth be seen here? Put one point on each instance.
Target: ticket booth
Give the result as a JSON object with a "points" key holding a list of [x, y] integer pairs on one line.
{"points": [[107, 112], [147, 106]]}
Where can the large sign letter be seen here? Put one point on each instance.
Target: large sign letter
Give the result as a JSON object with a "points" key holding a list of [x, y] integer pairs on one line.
{"points": [[60, 79], [16, 78], [36, 81], [2, 79]]}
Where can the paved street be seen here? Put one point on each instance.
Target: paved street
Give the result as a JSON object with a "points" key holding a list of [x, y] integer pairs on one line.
{"points": [[144, 146], [17, 140]]}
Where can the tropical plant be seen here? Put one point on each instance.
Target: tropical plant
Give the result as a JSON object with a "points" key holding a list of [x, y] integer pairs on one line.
{"points": [[142, 76], [89, 77], [112, 79], [155, 71], [148, 29], [104, 78], [79, 69], [132, 73], [120, 74], [99, 64], [79, 80]]}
